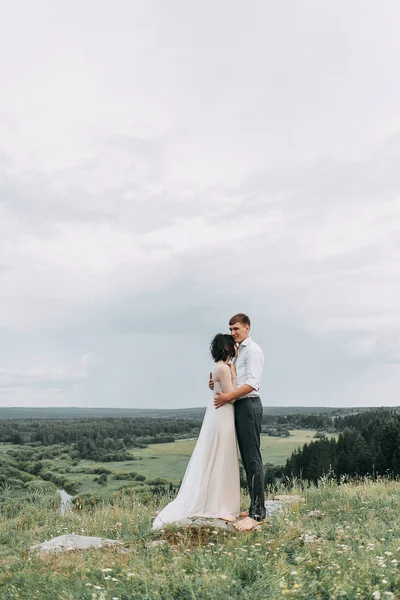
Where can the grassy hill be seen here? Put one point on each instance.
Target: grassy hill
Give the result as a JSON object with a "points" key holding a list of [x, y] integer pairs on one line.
{"points": [[347, 547]]}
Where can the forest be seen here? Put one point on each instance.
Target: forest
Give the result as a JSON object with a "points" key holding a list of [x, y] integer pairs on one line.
{"points": [[74, 453], [368, 443]]}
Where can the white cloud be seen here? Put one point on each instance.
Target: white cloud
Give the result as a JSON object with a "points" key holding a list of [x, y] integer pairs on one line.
{"points": [[157, 175]]}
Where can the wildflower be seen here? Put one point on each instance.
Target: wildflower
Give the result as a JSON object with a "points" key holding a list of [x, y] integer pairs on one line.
{"points": [[394, 561], [224, 576], [106, 570], [389, 594], [376, 595], [293, 573], [129, 575], [384, 581]]}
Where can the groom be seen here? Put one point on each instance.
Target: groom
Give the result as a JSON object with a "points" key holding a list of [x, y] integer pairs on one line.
{"points": [[248, 410]]}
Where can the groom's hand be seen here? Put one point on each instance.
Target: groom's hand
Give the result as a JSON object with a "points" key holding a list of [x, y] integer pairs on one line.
{"points": [[221, 399]]}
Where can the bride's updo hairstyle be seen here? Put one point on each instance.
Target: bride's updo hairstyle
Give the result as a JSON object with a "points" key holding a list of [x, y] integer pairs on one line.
{"points": [[222, 347]]}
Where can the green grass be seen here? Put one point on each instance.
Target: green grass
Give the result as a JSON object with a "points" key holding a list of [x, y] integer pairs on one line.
{"points": [[349, 550], [170, 460]]}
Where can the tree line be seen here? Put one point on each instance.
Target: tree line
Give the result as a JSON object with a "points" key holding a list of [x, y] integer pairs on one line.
{"points": [[136, 431], [369, 444], [97, 439]]}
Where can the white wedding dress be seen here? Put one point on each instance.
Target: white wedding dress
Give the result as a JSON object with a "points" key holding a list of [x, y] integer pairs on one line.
{"points": [[211, 485]]}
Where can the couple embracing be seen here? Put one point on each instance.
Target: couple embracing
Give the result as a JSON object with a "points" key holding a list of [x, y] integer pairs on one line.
{"points": [[211, 485]]}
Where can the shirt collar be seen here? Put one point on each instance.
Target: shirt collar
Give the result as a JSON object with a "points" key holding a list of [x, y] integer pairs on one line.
{"points": [[245, 342]]}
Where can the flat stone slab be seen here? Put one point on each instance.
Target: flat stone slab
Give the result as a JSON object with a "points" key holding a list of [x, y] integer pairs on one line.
{"points": [[204, 522], [72, 541], [288, 499], [271, 507]]}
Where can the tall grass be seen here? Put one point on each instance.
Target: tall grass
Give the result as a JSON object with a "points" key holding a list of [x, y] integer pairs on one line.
{"points": [[343, 542]]}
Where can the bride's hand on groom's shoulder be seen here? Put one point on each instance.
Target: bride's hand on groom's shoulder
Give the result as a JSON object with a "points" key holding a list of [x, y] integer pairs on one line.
{"points": [[211, 382]]}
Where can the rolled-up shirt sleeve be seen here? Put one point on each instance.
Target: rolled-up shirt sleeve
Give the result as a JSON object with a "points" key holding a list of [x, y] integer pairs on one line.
{"points": [[255, 365]]}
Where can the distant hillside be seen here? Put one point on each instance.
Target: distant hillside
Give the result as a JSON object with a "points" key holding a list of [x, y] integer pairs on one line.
{"points": [[182, 413]]}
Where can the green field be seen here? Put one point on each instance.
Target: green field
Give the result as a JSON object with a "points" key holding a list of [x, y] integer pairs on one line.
{"points": [[169, 461]]}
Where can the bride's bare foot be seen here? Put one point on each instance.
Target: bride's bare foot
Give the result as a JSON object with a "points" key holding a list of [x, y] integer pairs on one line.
{"points": [[245, 513], [245, 524], [229, 518]]}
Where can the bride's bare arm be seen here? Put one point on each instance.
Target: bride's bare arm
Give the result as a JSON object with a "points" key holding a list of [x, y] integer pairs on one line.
{"points": [[227, 379]]}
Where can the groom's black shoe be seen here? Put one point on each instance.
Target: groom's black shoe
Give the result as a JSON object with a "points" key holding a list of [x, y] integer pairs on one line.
{"points": [[256, 517]]}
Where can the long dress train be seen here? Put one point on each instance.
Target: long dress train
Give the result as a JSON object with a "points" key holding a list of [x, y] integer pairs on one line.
{"points": [[211, 485]]}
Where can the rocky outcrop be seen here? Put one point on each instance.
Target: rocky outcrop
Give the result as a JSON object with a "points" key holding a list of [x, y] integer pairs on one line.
{"points": [[64, 543]]}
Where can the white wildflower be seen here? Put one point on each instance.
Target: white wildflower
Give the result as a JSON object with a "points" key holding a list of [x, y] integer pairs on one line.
{"points": [[376, 595]]}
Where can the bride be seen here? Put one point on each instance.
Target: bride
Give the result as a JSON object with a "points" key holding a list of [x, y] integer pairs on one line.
{"points": [[211, 486]]}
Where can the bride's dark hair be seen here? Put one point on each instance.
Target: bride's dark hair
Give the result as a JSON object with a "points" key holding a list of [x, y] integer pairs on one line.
{"points": [[222, 347]]}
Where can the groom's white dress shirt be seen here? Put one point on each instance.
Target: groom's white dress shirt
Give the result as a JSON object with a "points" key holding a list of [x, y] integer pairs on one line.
{"points": [[249, 366]]}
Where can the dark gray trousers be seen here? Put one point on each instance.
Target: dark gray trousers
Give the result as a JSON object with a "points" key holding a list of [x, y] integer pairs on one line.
{"points": [[248, 415]]}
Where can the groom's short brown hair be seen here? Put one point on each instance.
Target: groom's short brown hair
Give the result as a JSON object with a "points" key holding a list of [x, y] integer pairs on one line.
{"points": [[240, 318]]}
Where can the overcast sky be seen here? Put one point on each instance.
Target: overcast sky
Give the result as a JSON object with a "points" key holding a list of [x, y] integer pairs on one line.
{"points": [[164, 165]]}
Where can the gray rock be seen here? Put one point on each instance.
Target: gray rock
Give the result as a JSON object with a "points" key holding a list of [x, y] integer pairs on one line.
{"points": [[64, 543], [203, 522], [309, 538], [314, 514], [273, 506], [287, 499], [158, 543]]}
